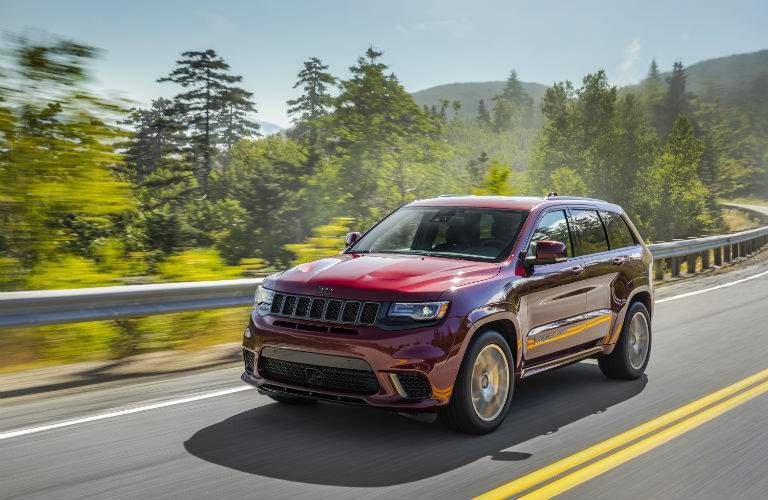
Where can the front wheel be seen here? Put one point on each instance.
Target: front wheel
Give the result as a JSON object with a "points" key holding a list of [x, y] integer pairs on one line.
{"points": [[633, 348], [484, 386]]}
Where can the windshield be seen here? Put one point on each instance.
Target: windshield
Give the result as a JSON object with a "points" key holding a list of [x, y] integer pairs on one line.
{"points": [[456, 232]]}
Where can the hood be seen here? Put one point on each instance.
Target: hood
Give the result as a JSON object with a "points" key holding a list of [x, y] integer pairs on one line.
{"points": [[382, 277]]}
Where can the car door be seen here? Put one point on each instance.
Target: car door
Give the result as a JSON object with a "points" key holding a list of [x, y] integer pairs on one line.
{"points": [[555, 298], [601, 268]]}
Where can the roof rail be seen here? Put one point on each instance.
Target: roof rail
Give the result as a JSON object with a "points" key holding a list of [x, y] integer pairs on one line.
{"points": [[555, 196]]}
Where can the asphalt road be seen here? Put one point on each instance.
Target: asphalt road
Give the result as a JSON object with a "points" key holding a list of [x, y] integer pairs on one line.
{"points": [[242, 444]]}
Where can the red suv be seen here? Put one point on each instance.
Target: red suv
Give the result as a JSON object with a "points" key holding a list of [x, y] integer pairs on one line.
{"points": [[447, 303]]}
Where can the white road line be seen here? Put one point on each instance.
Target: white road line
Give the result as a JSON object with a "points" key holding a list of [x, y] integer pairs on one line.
{"points": [[231, 390], [128, 411], [705, 290]]}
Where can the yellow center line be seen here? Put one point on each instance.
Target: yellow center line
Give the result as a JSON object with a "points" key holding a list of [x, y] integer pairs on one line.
{"points": [[651, 442], [556, 468]]}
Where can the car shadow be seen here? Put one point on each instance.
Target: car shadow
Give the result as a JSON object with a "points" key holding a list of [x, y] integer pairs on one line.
{"points": [[362, 447]]}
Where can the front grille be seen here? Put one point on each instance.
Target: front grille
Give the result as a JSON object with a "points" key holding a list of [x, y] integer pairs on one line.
{"points": [[322, 309], [369, 313], [317, 309], [248, 360], [320, 377], [415, 385], [351, 308]]}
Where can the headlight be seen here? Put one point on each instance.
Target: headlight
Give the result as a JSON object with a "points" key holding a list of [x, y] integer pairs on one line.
{"points": [[263, 299], [419, 311]]}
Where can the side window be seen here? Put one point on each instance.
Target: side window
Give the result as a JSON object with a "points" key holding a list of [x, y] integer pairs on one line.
{"points": [[591, 231], [619, 235], [553, 226]]}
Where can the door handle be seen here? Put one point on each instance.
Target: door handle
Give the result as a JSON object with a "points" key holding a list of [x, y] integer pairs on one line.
{"points": [[619, 260], [577, 270]]}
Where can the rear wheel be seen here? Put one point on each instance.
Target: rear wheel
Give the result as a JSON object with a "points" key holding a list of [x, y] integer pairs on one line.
{"points": [[291, 400], [632, 352], [484, 386]]}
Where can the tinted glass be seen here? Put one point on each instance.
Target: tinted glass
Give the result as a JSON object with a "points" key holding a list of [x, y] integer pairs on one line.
{"points": [[590, 230], [455, 232], [619, 235], [553, 226]]}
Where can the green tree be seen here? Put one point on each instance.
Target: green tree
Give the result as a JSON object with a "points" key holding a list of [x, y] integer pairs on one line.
{"points": [[59, 190], [496, 181], [326, 241], [234, 118], [314, 103], [265, 178], [567, 182], [513, 107], [677, 201], [676, 101], [379, 129], [483, 116], [206, 78]]}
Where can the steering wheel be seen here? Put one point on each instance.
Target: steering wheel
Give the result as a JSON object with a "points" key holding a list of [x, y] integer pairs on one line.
{"points": [[493, 241]]}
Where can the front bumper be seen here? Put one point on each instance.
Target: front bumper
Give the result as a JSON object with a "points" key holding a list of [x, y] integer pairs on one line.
{"points": [[426, 351]]}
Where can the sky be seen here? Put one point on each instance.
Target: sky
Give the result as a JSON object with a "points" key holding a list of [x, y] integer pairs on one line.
{"points": [[425, 43]]}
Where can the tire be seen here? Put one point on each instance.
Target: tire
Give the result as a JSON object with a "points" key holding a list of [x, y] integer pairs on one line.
{"points": [[633, 348], [488, 363], [290, 400]]}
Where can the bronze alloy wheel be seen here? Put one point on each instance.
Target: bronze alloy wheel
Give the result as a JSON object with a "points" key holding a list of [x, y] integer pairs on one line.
{"points": [[639, 337], [490, 382], [630, 355]]}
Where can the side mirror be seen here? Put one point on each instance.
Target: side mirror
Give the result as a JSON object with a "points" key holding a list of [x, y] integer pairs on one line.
{"points": [[547, 252], [352, 237]]}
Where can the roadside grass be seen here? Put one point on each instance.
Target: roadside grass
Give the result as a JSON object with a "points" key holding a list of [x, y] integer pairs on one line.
{"points": [[37, 347]]}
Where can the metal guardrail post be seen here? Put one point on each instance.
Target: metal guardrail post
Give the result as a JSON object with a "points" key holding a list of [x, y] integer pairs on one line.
{"points": [[658, 265], [705, 260], [675, 265], [690, 261], [727, 253], [718, 254]]}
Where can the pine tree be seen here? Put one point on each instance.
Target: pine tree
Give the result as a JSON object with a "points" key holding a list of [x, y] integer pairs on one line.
{"points": [[514, 91], [307, 110], [513, 106], [207, 78], [653, 72], [652, 94], [676, 198], [676, 101], [483, 116], [383, 138], [233, 119], [155, 159]]}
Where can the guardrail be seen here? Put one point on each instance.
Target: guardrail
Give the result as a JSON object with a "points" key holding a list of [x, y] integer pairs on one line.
{"points": [[47, 307], [709, 250]]}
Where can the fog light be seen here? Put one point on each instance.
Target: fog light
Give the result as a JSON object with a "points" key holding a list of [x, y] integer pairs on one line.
{"points": [[247, 333]]}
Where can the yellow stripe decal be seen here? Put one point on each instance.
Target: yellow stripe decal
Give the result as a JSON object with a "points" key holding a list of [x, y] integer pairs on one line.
{"points": [[563, 465], [570, 331]]}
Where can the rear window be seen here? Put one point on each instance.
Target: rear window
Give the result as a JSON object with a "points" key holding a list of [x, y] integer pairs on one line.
{"points": [[619, 235], [591, 232]]}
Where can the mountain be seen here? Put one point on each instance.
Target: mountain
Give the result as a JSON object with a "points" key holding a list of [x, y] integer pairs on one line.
{"points": [[470, 93], [717, 77], [734, 80], [269, 128]]}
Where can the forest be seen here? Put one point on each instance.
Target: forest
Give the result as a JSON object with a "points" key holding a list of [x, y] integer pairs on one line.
{"points": [[98, 192]]}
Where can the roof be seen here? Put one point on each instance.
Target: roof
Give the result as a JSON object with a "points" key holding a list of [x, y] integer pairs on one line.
{"points": [[511, 202], [508, 202]]}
